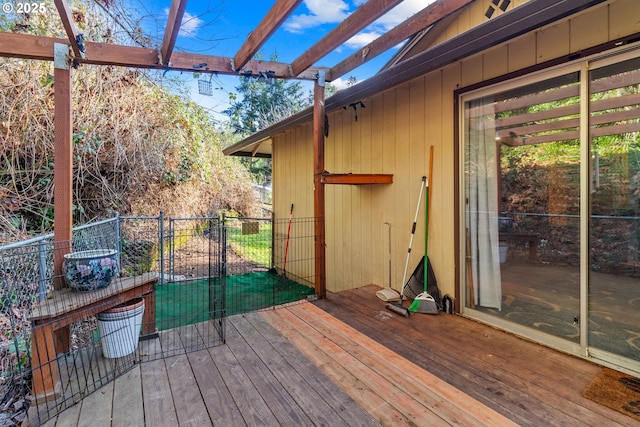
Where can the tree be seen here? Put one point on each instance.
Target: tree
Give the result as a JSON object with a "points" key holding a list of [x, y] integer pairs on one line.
{"points": [[262, 101]]}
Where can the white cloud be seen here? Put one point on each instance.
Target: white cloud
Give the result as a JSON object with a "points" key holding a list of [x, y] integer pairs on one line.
{"points": [[320, 12], [190, 24], [334, 11], [401, 12], [386, 22], [341, 83], [361, 39]]}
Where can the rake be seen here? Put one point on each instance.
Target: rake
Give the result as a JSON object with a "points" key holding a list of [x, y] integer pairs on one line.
{"points": [[424, 302]]}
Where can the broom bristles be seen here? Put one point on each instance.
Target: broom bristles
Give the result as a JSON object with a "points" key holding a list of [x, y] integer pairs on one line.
{"points": [[424, 303]]}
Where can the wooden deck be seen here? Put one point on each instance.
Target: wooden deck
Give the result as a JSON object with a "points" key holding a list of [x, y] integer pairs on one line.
{"points": [[345, 360]]}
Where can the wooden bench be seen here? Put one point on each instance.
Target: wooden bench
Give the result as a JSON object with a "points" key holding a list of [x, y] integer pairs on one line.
{"points": [[52, 317]]}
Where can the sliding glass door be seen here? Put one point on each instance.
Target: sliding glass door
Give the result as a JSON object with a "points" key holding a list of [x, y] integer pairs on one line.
{"points": [[614, 240], [551, 234], [522, 197]]}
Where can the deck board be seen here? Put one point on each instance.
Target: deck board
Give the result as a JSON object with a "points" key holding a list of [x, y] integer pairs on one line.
{"points": [[473, 359], [307, 402], [445, 401], [275, 395], [190, 407], [252, 406], [159, 408], [529, 383], [328, 393], [404, 406], [347, 361], [96, 408], [218, 400], [68, 418], [374, 404], [128, 406]]}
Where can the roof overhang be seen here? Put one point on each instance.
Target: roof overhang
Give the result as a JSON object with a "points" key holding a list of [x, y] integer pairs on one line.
{"points": [[260, 149], [526, 18]]}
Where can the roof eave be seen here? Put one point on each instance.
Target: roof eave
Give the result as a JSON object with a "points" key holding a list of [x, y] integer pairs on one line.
{"points": [[521, 20]]}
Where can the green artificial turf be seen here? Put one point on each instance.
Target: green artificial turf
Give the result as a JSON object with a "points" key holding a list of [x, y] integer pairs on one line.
{"points": [[188, 302]]}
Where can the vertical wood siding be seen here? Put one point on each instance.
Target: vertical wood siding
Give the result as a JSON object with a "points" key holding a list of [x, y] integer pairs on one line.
{"points": [[393, 134]]}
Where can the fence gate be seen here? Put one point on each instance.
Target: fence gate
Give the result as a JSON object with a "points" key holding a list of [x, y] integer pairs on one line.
{"points": [[190, 294]]}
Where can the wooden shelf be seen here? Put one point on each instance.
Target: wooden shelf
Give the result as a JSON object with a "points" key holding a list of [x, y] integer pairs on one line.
{"points": [[356, 178]]}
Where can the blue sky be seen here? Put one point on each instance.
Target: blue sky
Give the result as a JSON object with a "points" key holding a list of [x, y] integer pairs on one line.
{"points": [[220, 27]]}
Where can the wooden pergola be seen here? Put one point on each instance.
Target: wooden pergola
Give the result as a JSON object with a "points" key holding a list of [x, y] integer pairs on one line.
{"points": [[75, 50]]}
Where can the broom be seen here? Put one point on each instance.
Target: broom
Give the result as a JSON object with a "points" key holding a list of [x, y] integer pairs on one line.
{"points": [[424, 302], [398, 308]]}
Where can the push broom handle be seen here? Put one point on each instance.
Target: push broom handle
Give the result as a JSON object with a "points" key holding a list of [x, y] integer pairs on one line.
{"points": [[426, 239], [413, 231]]}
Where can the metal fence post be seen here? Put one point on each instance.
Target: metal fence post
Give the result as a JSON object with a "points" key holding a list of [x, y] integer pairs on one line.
{"points": [[42, 273], [118, 242], [273, 239], [161, 244]]}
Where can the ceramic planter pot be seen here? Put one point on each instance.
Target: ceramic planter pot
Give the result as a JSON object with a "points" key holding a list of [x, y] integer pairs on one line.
{"points": [[90, 270], [505, 224]]}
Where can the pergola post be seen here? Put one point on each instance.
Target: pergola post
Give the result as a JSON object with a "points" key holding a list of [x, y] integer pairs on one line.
{"points": [[63, 158], [318, 185], [46, 343]]}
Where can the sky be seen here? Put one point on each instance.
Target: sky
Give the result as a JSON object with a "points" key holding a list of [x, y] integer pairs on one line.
{"points": [[220, 28]]}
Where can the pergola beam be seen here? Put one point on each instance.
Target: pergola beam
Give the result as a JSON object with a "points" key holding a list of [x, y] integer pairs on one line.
{"points": [[176, 13], [41, 48], [363, 16], [69, 27], [269, 24], [421, 20]]}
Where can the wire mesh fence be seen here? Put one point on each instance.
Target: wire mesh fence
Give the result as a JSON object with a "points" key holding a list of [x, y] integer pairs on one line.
{"points": [[34, 349], [175, 280], [266, 266], [190, 295]]}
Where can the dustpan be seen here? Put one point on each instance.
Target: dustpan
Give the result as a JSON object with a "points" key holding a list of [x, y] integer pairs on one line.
{"points": [[388, 294], [424, 303]]}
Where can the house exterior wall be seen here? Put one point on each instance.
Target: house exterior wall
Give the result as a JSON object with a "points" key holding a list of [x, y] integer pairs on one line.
{"points": [[393, 133]]}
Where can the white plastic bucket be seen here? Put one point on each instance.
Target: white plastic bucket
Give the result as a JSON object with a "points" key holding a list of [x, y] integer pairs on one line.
{"points": [[119, 328], [503, 253]]}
